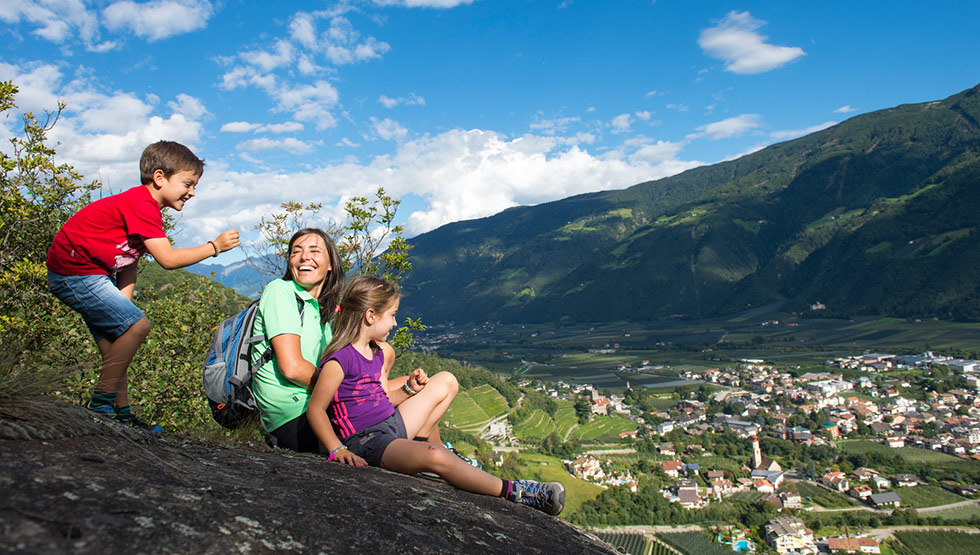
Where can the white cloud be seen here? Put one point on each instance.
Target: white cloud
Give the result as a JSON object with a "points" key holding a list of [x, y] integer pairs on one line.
{"points": [[389, 129], [303, 30], [846, 109], [158, 19], [744, 51], [310, 103], [56, 21], [793, 133], [661, 151], [188, 106], [286, 127], [621, 123], [411, 100], [727, 128], [342, 44], [239, 127], [281, 56], [553, 126], [679, 107], [348, 143], [644, 115], [424, 3], [288, 144]]}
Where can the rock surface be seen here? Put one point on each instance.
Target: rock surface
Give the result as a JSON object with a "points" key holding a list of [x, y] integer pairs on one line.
{"points": [[73, 482]]}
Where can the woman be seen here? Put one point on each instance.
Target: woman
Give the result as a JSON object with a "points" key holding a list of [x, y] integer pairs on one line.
{"points": [[312, 283]]}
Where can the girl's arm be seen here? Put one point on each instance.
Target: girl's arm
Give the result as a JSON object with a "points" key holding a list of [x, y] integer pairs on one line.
{"points": [[316, 412], [289, 357], [395, 387]]}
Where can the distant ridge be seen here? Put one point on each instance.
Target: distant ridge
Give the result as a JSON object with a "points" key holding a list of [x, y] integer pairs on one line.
{"points": [[240, 276], [876, 215]]}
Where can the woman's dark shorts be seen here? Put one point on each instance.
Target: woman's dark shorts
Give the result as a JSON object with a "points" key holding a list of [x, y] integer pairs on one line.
{"points": [[370, 443]]}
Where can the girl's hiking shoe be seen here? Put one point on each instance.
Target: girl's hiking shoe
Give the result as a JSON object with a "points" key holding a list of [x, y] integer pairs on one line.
{"points": [[548, 497], [131, 420], [467, 460]]}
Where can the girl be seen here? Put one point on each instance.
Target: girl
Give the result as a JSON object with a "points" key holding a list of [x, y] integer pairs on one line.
{"points": [[361, 422]]}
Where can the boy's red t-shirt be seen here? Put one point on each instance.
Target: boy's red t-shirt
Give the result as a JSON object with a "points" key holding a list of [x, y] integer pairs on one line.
{"points": [[107, 235]]}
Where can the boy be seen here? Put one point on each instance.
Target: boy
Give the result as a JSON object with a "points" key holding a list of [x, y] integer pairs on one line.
{"points": [[93, 259]]}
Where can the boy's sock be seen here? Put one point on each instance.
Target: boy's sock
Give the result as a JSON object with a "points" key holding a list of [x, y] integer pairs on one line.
{"points": [[507, 490], [101, 401], [123, 412]]}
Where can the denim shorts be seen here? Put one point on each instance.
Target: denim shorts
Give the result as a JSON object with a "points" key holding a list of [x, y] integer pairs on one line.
{"points": [[371, 442], [107, 312]]}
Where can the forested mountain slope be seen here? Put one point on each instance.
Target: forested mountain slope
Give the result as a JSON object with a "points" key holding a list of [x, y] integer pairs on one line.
{"points": [[876, 215]]}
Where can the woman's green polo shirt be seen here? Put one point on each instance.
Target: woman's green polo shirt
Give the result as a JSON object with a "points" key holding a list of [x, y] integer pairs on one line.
{"points": [[279, 399]]}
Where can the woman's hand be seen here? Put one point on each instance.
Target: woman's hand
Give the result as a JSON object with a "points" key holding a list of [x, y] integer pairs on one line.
{"points": [[344, 456], [417, 379]]}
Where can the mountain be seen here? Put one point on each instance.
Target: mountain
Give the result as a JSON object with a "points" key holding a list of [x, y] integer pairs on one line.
{"points": [[241, 276], [876, 215]]}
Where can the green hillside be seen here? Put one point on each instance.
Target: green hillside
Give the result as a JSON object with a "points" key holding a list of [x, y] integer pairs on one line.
{"points": [[876, 215]]}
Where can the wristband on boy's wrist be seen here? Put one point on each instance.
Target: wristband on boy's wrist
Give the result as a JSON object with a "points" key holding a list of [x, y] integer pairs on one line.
{"points": [[215, 255], [409, 390], [334, 452]]}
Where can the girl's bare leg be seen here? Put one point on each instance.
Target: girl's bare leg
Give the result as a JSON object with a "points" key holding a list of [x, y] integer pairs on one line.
{"points": [[423, 412], [412, 457]]}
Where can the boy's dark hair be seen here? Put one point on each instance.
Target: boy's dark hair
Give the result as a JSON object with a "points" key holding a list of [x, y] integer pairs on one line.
{"points": [[170, 157]]}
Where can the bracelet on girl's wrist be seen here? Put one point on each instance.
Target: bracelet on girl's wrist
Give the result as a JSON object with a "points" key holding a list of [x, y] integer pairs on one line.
{"points": [[215, 255], [409, 390], [334, 452]]}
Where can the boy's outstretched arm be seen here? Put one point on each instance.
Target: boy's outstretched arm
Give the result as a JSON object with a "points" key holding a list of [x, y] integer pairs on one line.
{"points": [[171, 258]]}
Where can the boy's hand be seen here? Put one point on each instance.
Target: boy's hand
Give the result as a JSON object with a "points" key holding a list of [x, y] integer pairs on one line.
{"points": [[227, 240], [417, 379]]}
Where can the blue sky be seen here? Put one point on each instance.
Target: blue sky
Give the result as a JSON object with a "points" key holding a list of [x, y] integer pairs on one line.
{"points": [[460, 108]]}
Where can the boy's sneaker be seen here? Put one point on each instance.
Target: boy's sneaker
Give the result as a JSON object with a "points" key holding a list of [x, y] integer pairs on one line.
{"points": [[548, 497], [131, 420], [101, 410], [467, 460]]}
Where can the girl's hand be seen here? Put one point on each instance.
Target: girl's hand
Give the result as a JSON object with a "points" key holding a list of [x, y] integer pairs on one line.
{"points": [[417, 379], [346, 457]]}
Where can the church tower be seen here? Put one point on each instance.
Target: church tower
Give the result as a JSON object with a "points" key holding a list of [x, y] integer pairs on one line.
{"points": [[756, 453]]}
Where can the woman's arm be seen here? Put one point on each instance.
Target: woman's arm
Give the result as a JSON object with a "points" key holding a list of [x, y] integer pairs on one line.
{"points": [[289, 356], [316, 412]]}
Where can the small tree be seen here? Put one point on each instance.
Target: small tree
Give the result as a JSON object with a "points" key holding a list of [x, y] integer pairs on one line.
{"points": [[368, 226]]}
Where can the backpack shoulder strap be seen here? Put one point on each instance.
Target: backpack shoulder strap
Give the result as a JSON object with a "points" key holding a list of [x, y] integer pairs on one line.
{"points": [[268, 354]]}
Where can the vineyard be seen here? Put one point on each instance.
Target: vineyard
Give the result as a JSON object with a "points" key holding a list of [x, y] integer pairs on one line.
{"points": [[824, 497], [926, 496], [938, 542], [633, 544], [695, 543]]}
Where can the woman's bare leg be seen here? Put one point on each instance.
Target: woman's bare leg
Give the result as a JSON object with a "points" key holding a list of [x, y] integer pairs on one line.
{"points": [[412, 457]]}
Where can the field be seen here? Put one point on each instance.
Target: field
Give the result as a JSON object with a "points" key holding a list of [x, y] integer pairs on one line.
{"points": [[824, 497], [465, 414], [593, 353], [550, 469], [604, 427], [490, 400], [634, 544], [565, 418], [695, 543], [537, 426], [938, 542], [926, 496], [910, 454], [957, 513]]}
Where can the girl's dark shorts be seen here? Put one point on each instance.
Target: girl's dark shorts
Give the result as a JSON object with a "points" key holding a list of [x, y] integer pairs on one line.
{"points": [[370, 443]]}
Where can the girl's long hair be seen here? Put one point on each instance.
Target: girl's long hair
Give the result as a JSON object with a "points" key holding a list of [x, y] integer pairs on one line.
{"points": [[333, 282], [363, 293]]}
